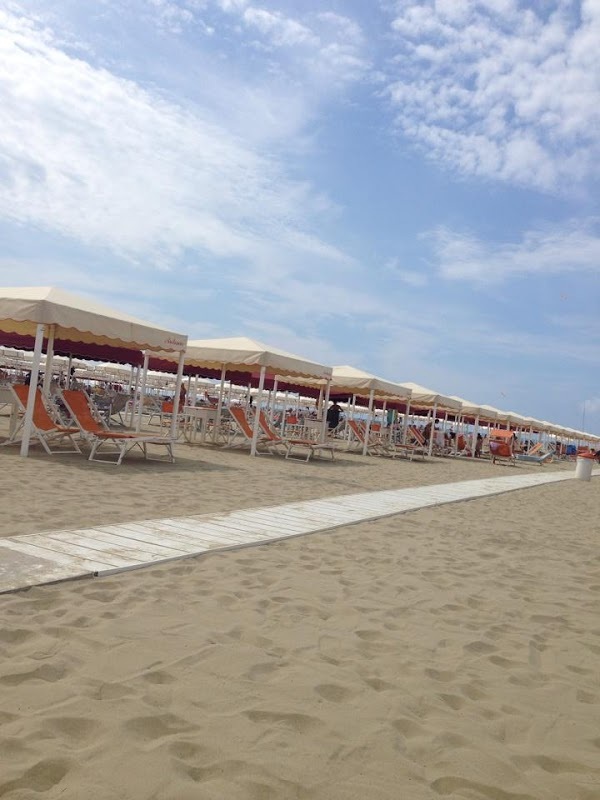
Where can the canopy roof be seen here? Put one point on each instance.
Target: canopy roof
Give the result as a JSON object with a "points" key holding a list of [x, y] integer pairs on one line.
{"points": [[350, 380], [241, 355], [81, 326], [473, 409], [422, 396]]}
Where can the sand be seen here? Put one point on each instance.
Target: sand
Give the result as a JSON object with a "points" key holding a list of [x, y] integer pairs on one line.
{"points": [[448, 652]]}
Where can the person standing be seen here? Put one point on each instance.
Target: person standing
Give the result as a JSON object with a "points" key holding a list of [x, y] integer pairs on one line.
{"points": [[334, 413]]}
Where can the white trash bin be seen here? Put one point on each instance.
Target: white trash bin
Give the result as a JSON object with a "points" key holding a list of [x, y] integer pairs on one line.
{"points": [[583, 468]]}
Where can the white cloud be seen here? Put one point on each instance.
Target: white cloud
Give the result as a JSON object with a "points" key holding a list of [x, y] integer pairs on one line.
{"points": [[410, 277], [323, 50], [571, 247], [97, 158], [499, 91]]}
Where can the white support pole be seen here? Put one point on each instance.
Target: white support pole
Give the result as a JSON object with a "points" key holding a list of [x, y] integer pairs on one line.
{"points": [[33, 379], [69, 362], [256, 426], [49, 360], [178, 382], [138, 420], [432, 429], [323, 403], [135, 386], [220, 403], [368, 425], [274, 403], [475, 432], [405, 422]]}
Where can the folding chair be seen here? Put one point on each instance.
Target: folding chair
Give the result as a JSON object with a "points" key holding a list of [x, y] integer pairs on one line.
{"points": [[78, 405], [43, 428], [312, 447]]}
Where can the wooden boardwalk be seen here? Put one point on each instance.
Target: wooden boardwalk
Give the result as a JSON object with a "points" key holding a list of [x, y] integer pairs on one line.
{"points": [[42, 558]]}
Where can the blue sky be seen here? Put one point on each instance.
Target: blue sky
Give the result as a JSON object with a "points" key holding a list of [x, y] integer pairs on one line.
{"points": [[407, 187]]}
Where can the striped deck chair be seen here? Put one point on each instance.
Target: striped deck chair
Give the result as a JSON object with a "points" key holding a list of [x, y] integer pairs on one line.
{"points": [[78, 406], [48, 433], [358, 431], [242, 435], [309, 445], [417, 441]]}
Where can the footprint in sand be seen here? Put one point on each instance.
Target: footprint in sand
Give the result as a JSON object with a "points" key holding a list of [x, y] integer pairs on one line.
{"points": [[217, 771], [334, 692], [408, 727], [74, 731], [368, 635], [505, 663], [42, 777], [16, 636], [586, 697], [111, 691], [556, 766], [440, 675], [158, 677], [260, 671], [156, 727], [300, 723], [453, 701], [450, 785], [378, 685], [472, 692], [185, 750], [46, 673], [479, 647]]}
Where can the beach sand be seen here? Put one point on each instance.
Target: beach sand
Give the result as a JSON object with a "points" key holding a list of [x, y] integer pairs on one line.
{"points": [[448, 652]]}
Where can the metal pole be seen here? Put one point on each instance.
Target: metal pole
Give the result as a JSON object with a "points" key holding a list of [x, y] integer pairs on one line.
{"points": [[256, 427], [368, 425], [323, 403], [138, 421], [220, 403], [33, 379], [173, 428], [49, 359]]}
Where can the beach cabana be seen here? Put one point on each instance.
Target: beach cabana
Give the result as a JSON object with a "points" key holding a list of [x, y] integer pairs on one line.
{"points": [[55, 321], [352, 381], [242, 359], [475, 414], [422, 397]]}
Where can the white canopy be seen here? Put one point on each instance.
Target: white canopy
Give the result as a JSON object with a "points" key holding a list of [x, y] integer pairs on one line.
{"points": [[473, 409], [240, 354], [73, 324], [351, 380], [77, 319], [422, 396]]}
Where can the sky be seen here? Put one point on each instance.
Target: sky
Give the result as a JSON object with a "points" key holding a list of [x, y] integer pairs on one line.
{"points": [[411, 188]]}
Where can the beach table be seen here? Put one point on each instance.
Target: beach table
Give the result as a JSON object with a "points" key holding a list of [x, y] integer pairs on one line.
{"points": [[196, 421]]}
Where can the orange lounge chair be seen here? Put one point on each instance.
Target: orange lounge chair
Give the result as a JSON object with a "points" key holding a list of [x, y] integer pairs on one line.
{"points": [[502, 446], [243, 427], [377, 447], [417, 441], [44, 428], [98, 435], [312, 447]]}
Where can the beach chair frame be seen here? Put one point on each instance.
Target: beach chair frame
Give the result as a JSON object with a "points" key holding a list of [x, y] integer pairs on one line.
{"points": [[53, 436], [290, 445], [99, 436]]}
